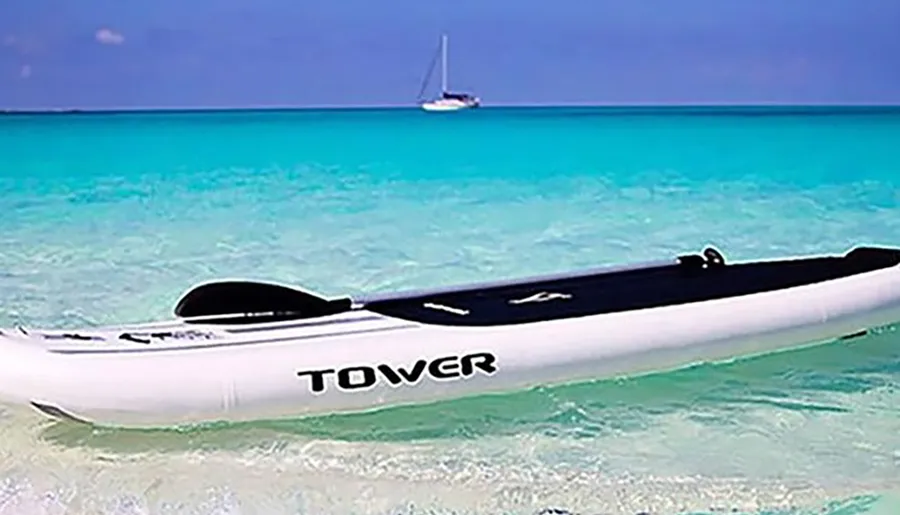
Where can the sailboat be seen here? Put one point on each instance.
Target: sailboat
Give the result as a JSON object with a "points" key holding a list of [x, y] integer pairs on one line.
{"points": [[447, 101]]}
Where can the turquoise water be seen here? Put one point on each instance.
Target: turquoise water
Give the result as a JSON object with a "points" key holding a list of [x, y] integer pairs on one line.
{"points": [[109, 218]]}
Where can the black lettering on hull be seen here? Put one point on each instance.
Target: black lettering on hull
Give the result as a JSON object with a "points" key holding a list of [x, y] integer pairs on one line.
{"points": [[364, 377], [316, 379], [401, 375], [484, 361]]}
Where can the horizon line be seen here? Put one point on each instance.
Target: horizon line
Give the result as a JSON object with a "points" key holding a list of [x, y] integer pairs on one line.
{"points": [[360, 107]]}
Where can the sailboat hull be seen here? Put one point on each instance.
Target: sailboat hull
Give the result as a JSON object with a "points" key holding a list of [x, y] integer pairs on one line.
{"points": [[445, 105]]}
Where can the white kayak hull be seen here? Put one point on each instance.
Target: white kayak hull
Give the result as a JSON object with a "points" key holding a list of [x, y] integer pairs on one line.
{"points": [[184, 372]]}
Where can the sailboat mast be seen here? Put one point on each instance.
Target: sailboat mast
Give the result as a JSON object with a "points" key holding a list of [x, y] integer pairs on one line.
{"points": [[443, 63]]}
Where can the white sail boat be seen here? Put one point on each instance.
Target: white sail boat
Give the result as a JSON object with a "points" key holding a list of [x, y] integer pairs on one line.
{"points": [[447, 101]]}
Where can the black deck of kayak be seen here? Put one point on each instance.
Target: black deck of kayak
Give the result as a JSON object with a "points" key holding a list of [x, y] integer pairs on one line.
{"points": [[690, 279]]}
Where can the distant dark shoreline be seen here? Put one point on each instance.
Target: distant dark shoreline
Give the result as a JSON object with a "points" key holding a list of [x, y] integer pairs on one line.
{"points": [[592, 108]]}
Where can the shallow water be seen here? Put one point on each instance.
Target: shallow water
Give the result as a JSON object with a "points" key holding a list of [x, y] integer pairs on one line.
{"points": [[109, 218]]}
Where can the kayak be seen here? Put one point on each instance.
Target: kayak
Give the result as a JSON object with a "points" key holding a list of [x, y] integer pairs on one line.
{"points": [[239, 350]]}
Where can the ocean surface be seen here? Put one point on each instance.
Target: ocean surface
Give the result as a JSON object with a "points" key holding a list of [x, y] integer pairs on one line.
{"points": [[108, 218]]}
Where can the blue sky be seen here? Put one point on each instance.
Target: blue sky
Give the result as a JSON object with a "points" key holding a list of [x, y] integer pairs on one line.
{"points": [[202, 53]]}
